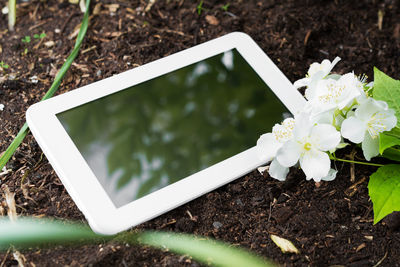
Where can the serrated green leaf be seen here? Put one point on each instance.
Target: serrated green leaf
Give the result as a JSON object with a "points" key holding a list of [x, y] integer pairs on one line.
{"points": [[392, 153], [384, 190], [388, 90], [386, 141]]}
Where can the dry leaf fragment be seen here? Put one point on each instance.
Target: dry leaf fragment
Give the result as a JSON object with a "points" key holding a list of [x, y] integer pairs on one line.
{"points": [[212, 20], [96, 9], [262, 169], [113, 7], [49, 43], [10, 201], [285, 245]]}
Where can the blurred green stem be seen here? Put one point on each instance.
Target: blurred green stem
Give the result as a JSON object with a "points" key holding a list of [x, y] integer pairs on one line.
{"points": [[12, 14]]}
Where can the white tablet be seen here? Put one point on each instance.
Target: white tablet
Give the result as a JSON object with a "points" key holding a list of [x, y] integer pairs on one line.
{"points": [[133, 146]]}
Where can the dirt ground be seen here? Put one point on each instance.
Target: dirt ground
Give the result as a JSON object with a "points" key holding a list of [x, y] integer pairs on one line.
{"points": [[331, 223]]}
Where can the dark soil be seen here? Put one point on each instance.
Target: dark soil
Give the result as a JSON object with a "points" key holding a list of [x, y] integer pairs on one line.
{"points": [[331, 223]]}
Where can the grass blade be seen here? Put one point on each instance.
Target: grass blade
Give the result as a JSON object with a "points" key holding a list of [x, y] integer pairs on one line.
{"points": [[27, 232], [57, 81], [201, 249]]}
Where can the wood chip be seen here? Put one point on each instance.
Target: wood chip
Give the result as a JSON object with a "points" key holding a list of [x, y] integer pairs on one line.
{"points": [[369, 237], [149, 5], [10, 201], [112, 7], [285, 245], [96, 9], [381, 13], [212, 20], [360, 247]]}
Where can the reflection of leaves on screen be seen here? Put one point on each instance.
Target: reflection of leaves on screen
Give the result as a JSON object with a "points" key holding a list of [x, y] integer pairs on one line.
{"points": [[165, 129]]}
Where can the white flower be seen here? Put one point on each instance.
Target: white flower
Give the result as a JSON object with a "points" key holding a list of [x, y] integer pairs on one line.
{"points": [[316, 72], [269, 143], [333, 94], [370, 119], [1, 107], [307, 146]]}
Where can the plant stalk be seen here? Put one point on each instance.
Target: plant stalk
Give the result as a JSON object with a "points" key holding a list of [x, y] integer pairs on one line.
{"points": [[357, 162], [57, 81], [12, 14]]}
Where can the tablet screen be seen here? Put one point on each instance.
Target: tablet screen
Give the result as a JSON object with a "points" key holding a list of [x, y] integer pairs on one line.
{"points": [[153, 134]]}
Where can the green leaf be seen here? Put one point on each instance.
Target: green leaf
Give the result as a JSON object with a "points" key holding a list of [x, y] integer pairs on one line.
{"points": [[57, 81], [28, 232], [36, 36], [387, 89], [392, 153], [384, 190], [205, 250], [388, 139]]}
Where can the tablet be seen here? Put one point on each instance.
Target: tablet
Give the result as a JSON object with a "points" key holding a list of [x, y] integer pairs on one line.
{"points": [[133, 146]]}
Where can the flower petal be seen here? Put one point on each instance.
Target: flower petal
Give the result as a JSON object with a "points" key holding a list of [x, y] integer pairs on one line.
{"points": [[267, 146], [389, 119], [325, 137], [331, 175], [315, 164], [289, 153], [302, 126], [278, 171], [370, 147], [368, 108], [302, 82], [354, 129]]}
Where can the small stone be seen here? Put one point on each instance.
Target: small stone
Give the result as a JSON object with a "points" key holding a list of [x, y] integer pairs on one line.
{"points": [[98, 73], [1, 107], [212, 20], [239, 202], [34, 79], [217, 225], [49, 43]]}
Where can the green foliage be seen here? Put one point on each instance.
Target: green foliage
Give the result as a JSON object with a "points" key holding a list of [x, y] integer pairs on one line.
{"points": [[26, 39], [384, 190], [387, 89], [225, 7], [24, 130], [3, 65], [384, 184], [207, 251], [39, 36], [389, 139], [200, 7], [28, 233]]}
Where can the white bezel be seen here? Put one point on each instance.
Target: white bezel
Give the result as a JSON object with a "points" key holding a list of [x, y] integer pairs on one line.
{"points": [[80, 181]]}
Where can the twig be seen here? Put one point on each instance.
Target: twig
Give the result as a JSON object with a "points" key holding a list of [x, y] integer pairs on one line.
{"points": [[381, 260]]}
